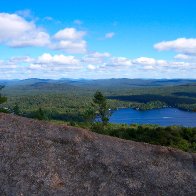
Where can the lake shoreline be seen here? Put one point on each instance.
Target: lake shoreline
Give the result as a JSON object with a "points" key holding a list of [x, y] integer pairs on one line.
{"points": [[162, 117], [138, 109]]}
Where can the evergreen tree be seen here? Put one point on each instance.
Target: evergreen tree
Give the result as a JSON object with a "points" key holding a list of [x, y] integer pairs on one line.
{"points": [[89, 114], [101, 105], [40, 114], [2, 99], [16, 109]]}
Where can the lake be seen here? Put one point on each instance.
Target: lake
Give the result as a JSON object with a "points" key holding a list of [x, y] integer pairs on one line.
{"points": [[163, 117]]}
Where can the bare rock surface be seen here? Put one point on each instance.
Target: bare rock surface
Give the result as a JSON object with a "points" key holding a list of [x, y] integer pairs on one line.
{"points": [[39, 158]]}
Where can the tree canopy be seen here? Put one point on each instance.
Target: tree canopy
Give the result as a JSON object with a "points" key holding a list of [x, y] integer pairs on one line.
{"points": [[100, 103], [2, 99]]}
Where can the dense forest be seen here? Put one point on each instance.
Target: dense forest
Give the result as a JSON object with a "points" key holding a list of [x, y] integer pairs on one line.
{"points": [[63, 99], [173, 136], [73, 103]]}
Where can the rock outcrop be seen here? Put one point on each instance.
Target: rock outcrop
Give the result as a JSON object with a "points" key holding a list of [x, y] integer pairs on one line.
{"points": [[39, 158]]}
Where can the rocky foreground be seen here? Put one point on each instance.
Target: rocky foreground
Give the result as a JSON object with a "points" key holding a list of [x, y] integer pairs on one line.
{"points": [[39, 158]]}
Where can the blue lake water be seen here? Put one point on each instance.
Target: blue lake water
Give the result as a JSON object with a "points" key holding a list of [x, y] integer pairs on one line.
{"points": [[163, 117]]}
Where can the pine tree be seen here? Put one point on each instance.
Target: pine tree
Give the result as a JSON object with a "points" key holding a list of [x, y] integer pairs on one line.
{"points": [[40, 114], [2, 99], [16, 109], [100, 102]]}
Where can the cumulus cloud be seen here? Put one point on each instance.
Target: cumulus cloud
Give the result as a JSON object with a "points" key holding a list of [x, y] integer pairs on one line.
{"points": [[15, 31], [56, 64], [45, 65], [149, 62], [69, 34], [180, 65], [96, 57], [59, 65], [182, 45], [149, 67], [23, 59], [145, 61], [70, 46], [109, 35], [100, 55], [91, 67], [120, 61], [182, 57], [47, 58], [70, 40]]}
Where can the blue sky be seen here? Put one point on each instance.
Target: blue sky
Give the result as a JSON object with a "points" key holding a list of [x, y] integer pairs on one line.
{"points": [[97, 39]]}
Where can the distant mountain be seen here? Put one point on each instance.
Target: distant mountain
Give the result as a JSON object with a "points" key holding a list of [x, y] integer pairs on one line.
{"points": [[104, 83], [24, 82], [124, 82], [87, 87]]}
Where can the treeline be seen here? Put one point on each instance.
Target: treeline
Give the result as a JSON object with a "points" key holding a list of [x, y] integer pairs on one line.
{"points": [[3, 99], [173, 136], [71, 100], [150, 101], [188, 107], [94, 115]]}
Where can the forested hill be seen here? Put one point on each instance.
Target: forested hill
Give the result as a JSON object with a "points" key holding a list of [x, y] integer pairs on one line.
{"points": [[122, 82], [68, 98]]}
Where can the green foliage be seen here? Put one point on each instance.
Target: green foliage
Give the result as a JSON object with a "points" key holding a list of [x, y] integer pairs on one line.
{"points": [[89, 114], [40, 114], [68, 104], [101, 105], [2, 100], [173, 136], [16, 109], [188, 107], [152, 105]]}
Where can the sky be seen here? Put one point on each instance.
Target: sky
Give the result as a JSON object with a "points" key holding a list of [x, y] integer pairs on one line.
{"points": [[97, 39]]}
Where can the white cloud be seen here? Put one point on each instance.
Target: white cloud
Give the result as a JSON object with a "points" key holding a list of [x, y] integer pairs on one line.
{"points": [[59, 65], [149, 67], [57, 59], [91, 67], [109, 35], [70, 40], [183, 45], [70, 46], [15, 31], [35, 66], [150, 63], [145, 61], [180, 65], [22, 59], [182, 57], [46, 65], [69, 34], [120, 61], [38, 39], [100, 55], [96, 57]]}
